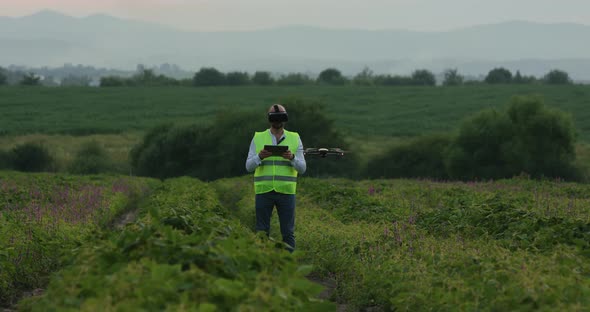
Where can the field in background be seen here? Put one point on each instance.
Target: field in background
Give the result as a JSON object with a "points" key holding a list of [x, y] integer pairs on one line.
{"points": [[371, 118], [358, 111]]}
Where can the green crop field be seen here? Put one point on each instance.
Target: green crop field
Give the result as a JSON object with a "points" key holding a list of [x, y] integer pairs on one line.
{"points": [[362, 112], [383, 245], [379, 245]]}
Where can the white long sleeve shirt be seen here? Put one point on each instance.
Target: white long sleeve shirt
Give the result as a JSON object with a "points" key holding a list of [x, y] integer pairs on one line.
{"points": [[254, 160]]}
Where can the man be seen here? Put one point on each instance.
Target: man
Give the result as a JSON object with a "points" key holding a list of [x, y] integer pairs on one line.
{"points": [[275, 177]]}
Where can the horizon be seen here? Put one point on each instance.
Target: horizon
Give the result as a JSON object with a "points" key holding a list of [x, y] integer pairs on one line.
{"points": [[224, 15]]}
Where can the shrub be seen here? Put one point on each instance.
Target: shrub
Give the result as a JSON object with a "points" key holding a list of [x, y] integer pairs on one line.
{"points": [[32, 157], [3, 76], [30, 79], [209, 76], [528, 137], [331, 76], [5, 160], [364, 78], [92, 158], [237, 78], [481, 147], [221, 150], [423, 77], [112, 81], [262, 78], [557, 77], [499, 75], [294, 79], [388, 80], [309, 119], [420, 157], [452, 78]]}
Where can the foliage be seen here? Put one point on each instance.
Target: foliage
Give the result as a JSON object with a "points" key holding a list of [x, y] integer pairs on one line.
{"points": [[414, 245], [91, 158], [528, 137], [237, 78], [262, 78], [520, 79], [112, 81], [499, 76], [30, 79], [209, 76], [364, 78], [3, 76], [316, 128], [423, 77], [32, 157], [388, 80], [5, 159], [75, 81], [44, 216], [422, 157], [183, 255], [168, 151], [331, 76], [294, 79], [558, 77], [452, 78]]}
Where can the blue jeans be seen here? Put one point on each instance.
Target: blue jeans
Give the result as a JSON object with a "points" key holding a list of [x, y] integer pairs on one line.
{"points": [[285, 204]]}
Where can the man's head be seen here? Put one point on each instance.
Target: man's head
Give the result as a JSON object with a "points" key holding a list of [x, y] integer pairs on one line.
{"points": [[277, 116]]}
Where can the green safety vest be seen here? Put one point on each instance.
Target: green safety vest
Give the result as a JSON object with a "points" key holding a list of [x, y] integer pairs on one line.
{"points": [[275, 172]]}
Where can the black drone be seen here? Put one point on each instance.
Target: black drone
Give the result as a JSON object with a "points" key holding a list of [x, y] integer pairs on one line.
{"points": [[323, 151]]}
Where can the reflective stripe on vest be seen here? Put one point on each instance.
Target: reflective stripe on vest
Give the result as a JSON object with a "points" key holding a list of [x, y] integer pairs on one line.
{"points": [[276, 173]]}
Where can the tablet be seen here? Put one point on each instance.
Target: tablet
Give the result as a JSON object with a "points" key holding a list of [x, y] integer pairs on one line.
{"points": [[276, 150]]}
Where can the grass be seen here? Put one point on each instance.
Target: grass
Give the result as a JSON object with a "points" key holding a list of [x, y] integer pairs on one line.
{"points": [[362, 112]]}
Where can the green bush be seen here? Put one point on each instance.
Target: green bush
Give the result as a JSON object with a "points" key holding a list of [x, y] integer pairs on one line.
{"points": [[294, 79], [92, 158], [331, 76], [5, 160], [262, 78], [528, 137], [309, 119], [112, 81], [169, 151], [32, 157], [499, 76], [237, 78], [420, 157], [209, 76]]}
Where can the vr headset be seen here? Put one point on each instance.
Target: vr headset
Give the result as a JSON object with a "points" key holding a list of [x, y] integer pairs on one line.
{"points": [[278, 116]]}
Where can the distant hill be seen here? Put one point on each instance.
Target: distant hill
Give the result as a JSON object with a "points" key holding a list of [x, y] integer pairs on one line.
{"points": [[49, 38]]}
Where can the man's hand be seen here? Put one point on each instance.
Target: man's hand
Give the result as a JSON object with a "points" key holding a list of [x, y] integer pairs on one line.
{"points": [[264, 154], [288, 155]]}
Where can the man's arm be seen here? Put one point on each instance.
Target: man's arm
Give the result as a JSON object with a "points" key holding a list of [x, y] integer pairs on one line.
{"points": [[298, 161], [253, 160]]}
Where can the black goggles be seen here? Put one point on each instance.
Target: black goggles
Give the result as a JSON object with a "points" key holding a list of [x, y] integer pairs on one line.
{"points": [[278, 117]]}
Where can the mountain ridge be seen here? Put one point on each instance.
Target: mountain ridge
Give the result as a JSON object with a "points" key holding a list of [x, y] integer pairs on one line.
{"points": [[107, 41]]}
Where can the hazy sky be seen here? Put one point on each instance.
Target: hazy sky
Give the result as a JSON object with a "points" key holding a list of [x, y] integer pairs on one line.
{"points": [[365, 14]]}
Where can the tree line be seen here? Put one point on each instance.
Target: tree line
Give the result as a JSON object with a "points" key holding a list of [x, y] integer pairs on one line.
{"points": [[210, 76]]}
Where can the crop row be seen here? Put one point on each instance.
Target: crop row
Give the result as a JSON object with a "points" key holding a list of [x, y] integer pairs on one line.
{"points": [[42, 216], [182, 254], [421, 245]]}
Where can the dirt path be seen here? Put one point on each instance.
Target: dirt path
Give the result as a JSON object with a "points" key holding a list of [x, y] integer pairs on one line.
{"points": [[326, 294], [125, 219]]}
